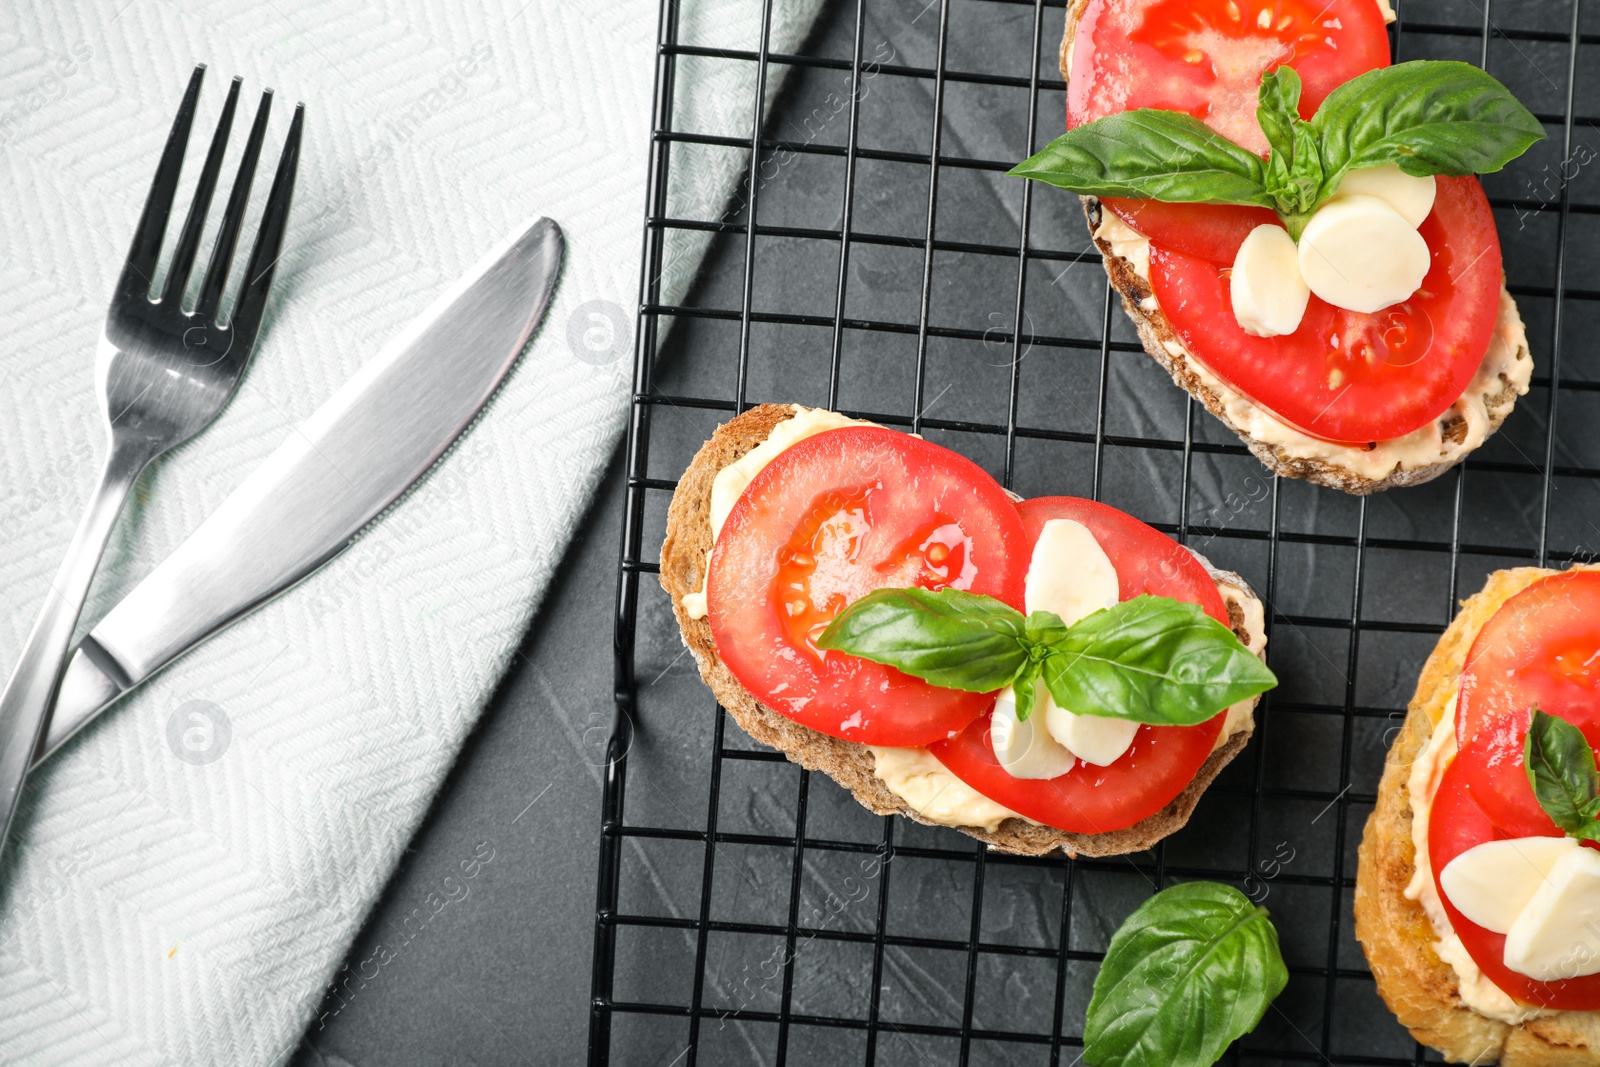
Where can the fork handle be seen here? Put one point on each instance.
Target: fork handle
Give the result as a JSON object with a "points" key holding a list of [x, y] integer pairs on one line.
{"points": [[31, 691]]}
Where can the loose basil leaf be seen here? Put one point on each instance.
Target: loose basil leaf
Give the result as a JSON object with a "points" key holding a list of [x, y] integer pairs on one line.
{"points": [[1153, 660], [1427, 116], [953, 639], [1150, 154], [1191, 970], [1294, 169], [1561, 768]]}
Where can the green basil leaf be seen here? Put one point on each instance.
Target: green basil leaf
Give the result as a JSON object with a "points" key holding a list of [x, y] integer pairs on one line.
{"points": [[1150, 154], [1277, 112], [1300, 191], [1294, 169], [1023, 686], [1154, 660], [1045, 628], [1427, 116], [1561, 768], [1191, 970], [950, 638]]}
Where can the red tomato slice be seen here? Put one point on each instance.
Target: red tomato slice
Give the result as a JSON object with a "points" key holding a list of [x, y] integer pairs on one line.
{"points": [[1162, 759], [1454, 826], [1087, 799], [1206, 57], [831, 519], [1344, 376], [1541, 648], [1212, 232]]}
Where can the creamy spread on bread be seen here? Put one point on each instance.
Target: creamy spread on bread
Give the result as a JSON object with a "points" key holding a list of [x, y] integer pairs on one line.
{"points": [[1477, 991], [929, 789], [938, 796], [1462, 428], [732, 480]]}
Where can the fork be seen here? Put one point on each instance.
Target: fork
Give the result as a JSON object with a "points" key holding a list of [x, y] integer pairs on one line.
{"points": [[162, 374]]}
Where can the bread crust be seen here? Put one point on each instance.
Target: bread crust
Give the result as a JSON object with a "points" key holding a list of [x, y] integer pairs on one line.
{"points": [[683, 560], [1155, 333], [1419, 987]]}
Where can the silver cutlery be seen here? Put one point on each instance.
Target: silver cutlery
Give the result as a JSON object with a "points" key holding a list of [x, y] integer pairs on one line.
{"points": [[162, 374], [333, 474]]}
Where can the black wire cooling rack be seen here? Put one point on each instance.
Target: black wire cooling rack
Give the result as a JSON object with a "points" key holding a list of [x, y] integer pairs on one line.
{"points": [[875, 260]]}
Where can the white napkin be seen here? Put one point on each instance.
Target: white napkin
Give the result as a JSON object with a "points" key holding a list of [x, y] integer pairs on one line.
{"points": [[185, 877]]}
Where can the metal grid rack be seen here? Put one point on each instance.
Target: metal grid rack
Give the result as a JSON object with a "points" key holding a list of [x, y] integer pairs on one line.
{"points": [[748, 911]]}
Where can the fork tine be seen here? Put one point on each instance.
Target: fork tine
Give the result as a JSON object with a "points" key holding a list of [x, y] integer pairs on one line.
{"points": [[140, 266], [216, 279], [269, 239], [189, 239]]}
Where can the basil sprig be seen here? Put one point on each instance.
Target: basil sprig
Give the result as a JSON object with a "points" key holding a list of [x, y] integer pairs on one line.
{"points": [[1425, 116], [1294, 166], [1561, 768], [1150, 659], [1192, 969]]}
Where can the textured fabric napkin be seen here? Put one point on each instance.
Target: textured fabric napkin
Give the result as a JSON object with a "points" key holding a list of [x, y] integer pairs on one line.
{"points": [[184, 878]]}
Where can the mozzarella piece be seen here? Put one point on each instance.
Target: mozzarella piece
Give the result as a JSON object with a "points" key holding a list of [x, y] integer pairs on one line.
{"points": [[1359, 253], [1269, 295], [1025, 749], [1492, 883], [1069, 573], [1092, 738], [1557, 935], [1408, 194]]}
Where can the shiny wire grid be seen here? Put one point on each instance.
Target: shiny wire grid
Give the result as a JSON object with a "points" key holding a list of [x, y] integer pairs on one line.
{"points": [[876, 260]]}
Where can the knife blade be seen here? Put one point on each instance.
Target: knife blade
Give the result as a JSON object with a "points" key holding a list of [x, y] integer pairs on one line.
{"points": [[338, 470]]}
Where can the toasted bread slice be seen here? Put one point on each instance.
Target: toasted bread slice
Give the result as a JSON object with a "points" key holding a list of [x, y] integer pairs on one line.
{"points": [[1352, 468], [1420, 988], [683, 562]]}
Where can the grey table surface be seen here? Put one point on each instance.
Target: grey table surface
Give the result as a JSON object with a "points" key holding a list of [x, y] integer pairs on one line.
{"points": [[496, 970], [501, 974]]}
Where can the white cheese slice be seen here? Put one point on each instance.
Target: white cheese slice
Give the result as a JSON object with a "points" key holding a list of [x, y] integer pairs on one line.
{"points": [[1358, 253], [1092, 738], [1025, 749], [1069, 573], [1557, 936], [1269, 296], [1492, 883], [1408, 194]]}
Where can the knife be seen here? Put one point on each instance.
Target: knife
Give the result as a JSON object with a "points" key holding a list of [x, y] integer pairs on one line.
{"points": [[335, 473]]}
